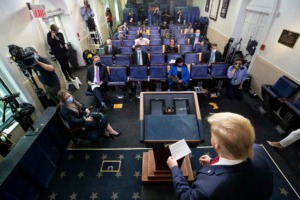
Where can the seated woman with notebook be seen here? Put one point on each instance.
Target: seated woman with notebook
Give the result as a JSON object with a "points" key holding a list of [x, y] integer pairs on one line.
{"points": [[179, 76]]}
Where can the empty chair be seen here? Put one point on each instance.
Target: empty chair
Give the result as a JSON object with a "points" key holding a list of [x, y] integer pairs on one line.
{"points": [[290, 116], [155, 42], [138, 74], [132, 32], [154, 36], [166, 41], [155, 49], [131, 37], [158, 73], [181, 41], [122, 59], [106, 60], [156, 31], [134, 28], [219, 70], [176, 31], [157, 58], [171, 57], [273, 95], [179, 35], [128, 43], [189, 35], [199, 71], [153, 27], [186, 48], [191, 58], [116, 43], [125, 50], [201, 48], [118, 78], [145, 48]]}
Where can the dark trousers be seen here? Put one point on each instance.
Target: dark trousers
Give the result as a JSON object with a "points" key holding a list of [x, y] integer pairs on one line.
{"points": [[64, 65], [99, 93], [178, 87], [234, 91]]}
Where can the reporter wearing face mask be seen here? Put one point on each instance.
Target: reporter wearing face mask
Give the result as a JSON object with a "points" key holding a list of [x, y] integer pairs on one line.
{"points": [[237, 74], [139, 57], [97, 78], [110, 49], [213, 55], [77, 115]]}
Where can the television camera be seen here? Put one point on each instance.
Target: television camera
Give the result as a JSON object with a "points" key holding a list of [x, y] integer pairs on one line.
{"points": [[24, 58], [21, 112]]}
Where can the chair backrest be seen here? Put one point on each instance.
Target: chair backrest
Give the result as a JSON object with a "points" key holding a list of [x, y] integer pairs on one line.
{"points": [[189, 35], [158, 72], [297, 104], [138, 73], [131, 37], [116, 43], [132, 32], [157, 58], [155, 49], [57, 114], [155, 42], [106, 59], [172, 57], [156, 31], [122, 59], [191, 58], [153, 27], [145, 48], [186, 48], [128, 43], [166, 41], [125, 50], [162, 31], [285, 87], [199, 71], [201, 48], [219, 70], [154, 36], [118, 74], [134, 28], [179, 35], [181, 41]]}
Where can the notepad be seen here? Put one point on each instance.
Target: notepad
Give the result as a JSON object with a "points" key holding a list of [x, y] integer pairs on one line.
{"points": [[179, 149]]}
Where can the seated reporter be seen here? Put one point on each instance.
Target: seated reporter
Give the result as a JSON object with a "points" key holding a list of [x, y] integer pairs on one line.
{"points": [[240, 171], [97, 78], [237, 74], [77, 115], [179, 76]]}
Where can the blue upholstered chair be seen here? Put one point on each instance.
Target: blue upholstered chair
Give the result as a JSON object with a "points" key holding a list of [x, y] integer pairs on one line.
{"points": [[154, 37], [156, 31], [166, 41], [117, 43], [173, 56], [131, 37], [201, 48], [179, 35], [134, 28], [186, 48], [128, 43], [199, 71], [191, 57], [158, 73], [155, 42], [145, 48], [106, 60], [157, 58], [122, 59], [132, 32], [138, 74], [126, 50], [155, 49], [118, 78], [290, 116], [162, 31], [283, 89], [181, 41], [219, 70]]}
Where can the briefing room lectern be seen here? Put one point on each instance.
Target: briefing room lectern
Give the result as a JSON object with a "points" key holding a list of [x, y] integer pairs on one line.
{"points": [[165, 118]]}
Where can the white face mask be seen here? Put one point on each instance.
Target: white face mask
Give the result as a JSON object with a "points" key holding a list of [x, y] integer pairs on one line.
{"points": [[214, 50]]}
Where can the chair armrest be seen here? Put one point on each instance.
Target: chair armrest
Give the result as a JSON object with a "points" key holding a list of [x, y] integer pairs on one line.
{"points": [[267, 89], [289, 105]]}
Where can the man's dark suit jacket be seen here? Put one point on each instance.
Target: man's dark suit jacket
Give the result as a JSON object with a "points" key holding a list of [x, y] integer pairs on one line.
{"points": [[252, 179], [103, 74], [114, 50], [134, 59], [218, 57]]}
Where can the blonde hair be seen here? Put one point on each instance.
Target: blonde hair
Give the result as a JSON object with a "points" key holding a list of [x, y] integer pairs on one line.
{"points": [[234, 133], [63, 101]]}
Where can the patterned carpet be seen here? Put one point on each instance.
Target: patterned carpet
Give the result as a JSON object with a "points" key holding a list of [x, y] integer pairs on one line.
{"points": [[116, 174]]}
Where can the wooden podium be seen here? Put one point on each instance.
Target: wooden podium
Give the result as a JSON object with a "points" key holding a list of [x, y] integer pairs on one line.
{"points": [[161, 128]]}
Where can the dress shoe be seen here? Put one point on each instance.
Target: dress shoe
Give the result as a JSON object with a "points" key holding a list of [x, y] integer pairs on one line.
{"points": [[118, 134], [275, 144]]}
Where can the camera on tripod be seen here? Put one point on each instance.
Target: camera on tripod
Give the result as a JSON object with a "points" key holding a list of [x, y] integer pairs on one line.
{"points": [[21, 112], [23, 57]]}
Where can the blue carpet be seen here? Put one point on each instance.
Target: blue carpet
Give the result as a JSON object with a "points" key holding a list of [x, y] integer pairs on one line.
{"points": [[79, 176]]}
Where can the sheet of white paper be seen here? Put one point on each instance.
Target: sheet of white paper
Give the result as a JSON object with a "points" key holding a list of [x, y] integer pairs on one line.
{"points": [[172, 61], [93, 86], [179, 149]]}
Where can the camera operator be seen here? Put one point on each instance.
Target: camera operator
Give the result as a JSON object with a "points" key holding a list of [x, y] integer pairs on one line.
{"points": [[237, 74], [46, 74], [57, 43]]}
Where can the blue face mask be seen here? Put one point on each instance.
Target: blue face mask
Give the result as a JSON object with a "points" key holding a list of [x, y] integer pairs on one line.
{"points": [[69, 100], [197, 34]]}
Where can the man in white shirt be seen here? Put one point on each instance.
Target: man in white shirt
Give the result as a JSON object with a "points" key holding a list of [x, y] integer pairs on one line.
{"points": [[141, 40]]}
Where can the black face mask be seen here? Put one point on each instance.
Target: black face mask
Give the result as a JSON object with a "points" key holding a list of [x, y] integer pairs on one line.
{"points": [[98, 64]]}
